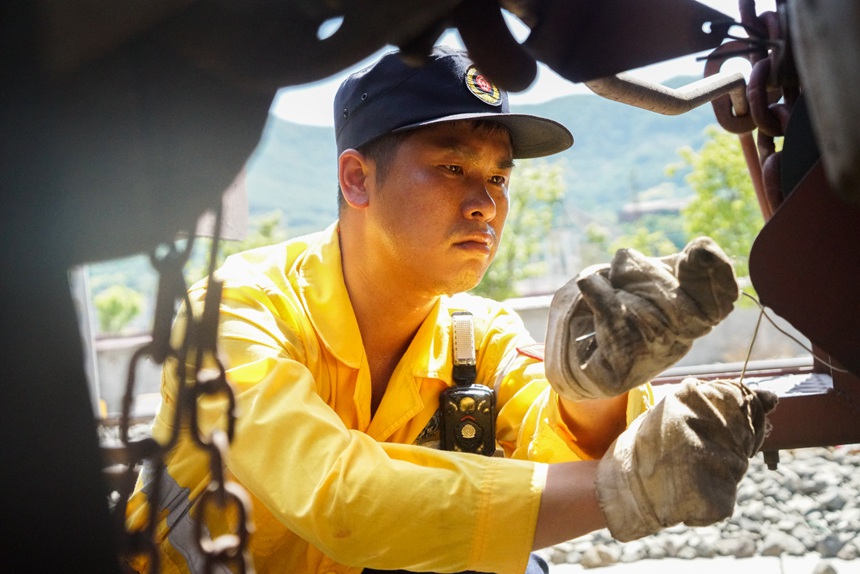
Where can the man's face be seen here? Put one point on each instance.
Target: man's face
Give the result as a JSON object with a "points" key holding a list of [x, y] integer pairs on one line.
{"points": [[438, 214]]}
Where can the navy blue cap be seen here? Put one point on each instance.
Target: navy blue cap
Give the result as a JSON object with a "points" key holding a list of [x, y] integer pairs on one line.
{"points": [[391, 96]]}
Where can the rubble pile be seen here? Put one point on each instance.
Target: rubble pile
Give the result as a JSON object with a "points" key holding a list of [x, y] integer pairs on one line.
{"points": [[809, 504]]}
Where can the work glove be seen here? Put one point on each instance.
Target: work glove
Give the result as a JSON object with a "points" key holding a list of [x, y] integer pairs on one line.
{"points": [[682, 460], [616, 326]]}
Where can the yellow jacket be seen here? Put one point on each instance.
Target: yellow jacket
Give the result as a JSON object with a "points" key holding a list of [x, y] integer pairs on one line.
{"points": [[334, 490]]}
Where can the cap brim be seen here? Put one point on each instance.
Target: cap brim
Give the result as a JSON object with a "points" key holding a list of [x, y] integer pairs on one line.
{"points": [[531, 136]]}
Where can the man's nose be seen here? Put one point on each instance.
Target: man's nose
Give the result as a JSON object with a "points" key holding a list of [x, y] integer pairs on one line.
{"points": [[479, 203]]}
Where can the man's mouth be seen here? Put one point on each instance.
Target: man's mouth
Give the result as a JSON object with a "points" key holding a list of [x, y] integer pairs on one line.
{"points": [[477, 241]]}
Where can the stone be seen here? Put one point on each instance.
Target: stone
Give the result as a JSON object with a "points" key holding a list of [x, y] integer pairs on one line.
{"points": [[748, 492], [806, 535], [801, 504], [777, 543], [824, 567], [788, 478], [832, 498], [633, 551], [656, 551], [850, 551], [830, 545], [737, 547], [598, 556]]}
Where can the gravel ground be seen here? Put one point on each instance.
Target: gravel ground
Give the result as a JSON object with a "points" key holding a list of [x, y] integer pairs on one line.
{"points": [[809, 504]]}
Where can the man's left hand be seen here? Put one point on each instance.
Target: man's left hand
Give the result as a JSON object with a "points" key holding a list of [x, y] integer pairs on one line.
{"points": [[615, 327]]}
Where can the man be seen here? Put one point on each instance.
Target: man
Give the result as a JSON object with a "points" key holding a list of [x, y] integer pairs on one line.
{"points": [[339, 345]]}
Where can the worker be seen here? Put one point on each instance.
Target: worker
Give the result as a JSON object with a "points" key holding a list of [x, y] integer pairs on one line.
{"points": [[389, 421]]}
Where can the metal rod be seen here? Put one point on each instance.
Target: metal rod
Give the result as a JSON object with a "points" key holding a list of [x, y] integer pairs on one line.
{"points": [[658, 98]]}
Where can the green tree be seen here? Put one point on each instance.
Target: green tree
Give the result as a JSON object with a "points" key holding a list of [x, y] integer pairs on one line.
{"points": [[265, 230], [653, 243], [595, 244], [725, 206], [536, 192], [268, 229], [116, 307]]}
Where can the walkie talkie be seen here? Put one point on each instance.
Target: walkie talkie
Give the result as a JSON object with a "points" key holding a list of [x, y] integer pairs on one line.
{"points": [[469, 409]]}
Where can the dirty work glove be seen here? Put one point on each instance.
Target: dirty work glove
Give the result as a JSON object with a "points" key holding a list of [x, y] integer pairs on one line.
{"points": [[615, 327], [682, 460]]}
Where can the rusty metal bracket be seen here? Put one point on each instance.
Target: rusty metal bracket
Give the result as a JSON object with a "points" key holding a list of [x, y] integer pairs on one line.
{"points": [[815, 408], [804, 267]]}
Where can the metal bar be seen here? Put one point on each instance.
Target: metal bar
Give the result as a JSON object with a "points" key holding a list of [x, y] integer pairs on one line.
{"points": [[812, 421], [824, 416], [658, 98], [754, 167]]}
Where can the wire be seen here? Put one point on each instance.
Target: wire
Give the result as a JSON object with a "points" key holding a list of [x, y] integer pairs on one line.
{"points": [[761, 42], [752, 341], [784, 332], [754, 35], [729, 54], [758, 43]]}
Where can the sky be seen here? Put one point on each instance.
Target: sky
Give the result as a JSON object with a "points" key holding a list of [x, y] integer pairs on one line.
{"points": [[312, 103]]}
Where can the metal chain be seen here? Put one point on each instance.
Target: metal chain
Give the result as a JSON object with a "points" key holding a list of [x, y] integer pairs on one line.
{"points": [[732, 114], [771, 94], [208, 379]]}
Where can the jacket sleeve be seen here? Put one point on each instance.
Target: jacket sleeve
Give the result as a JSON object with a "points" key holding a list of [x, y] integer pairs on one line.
{"points": [[530, 425]]}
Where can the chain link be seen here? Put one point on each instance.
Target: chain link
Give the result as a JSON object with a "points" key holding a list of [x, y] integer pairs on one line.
{"points": [[228, 549], [208, 380], [771, 94]]}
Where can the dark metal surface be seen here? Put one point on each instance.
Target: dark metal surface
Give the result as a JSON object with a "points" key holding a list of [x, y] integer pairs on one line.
{"points": [[818, 419], [804, 266], [120, 124], [155, 119], [588, 39], [826, 45], [492, 46]]}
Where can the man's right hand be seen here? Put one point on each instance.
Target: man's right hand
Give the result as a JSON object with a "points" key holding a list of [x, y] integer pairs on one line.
{"points": [[682, 460]]}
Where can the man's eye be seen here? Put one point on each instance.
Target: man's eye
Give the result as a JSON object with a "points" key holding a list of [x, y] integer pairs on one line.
{"points": [[498, 180], [454, 168]]}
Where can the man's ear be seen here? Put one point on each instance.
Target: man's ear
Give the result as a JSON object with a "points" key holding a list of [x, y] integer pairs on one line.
{"points": [[353, 172]]}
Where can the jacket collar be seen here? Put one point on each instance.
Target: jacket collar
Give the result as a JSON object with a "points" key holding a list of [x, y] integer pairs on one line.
{"points": [[323, 291]]}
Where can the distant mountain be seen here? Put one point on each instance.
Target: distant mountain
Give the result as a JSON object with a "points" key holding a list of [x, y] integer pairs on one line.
{"points": [[294, 170], [619, 151]]}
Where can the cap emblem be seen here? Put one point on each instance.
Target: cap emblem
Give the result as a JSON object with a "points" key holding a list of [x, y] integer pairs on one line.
{"points": [[484, 89]]}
